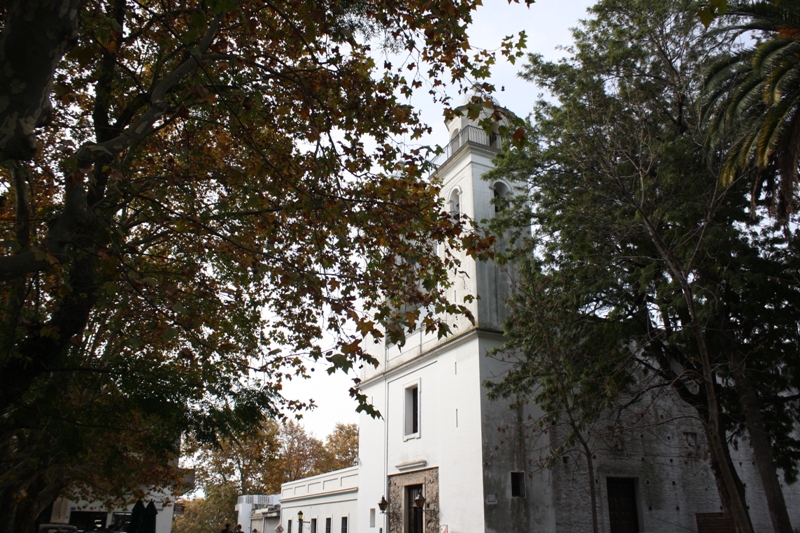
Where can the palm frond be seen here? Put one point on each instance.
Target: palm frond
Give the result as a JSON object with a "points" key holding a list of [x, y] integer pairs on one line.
{"points": [[752, 104]]}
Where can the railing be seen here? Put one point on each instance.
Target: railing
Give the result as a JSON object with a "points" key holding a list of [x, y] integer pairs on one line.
{"points": [[259, 499], [470, 134]]}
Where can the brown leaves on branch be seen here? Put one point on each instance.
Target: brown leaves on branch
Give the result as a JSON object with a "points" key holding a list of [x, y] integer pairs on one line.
{"points": [[221, 193]]}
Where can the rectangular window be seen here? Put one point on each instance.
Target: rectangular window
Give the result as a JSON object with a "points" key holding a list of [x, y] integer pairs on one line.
{"points": [[372, 517], [344, 524], [289, 527], [517, 484], [327, 525], [313, 525], [412, 410]]}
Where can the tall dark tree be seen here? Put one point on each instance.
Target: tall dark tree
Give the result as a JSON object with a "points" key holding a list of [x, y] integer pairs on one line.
{"points": [[653, 267], [191, 192]]}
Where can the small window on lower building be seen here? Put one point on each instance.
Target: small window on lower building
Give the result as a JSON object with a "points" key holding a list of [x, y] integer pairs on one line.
{"points": [[344, 524], [313, 525], [517, 484], [289, 527], [372, 517], [327, 525]]}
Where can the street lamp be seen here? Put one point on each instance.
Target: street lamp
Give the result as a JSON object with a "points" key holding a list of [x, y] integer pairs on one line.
{"points": [[383, 505], [419, 503], [299, 521]]}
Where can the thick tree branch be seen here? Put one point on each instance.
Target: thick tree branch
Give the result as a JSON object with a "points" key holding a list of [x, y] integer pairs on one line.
{"points": [[36, 36], [76, 214], [158, 106]]}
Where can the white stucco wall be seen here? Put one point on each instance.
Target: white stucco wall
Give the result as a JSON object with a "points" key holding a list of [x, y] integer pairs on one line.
{"points": [[327, 496], [448, 372], [449, 434]]}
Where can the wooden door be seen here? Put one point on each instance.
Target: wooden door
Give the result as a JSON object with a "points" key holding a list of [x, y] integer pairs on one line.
{"points": [[622, 508]]}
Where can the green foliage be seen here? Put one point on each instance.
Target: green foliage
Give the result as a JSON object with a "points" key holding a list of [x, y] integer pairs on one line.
{"points": [[215, 184], [638, 271], [753, 97]]}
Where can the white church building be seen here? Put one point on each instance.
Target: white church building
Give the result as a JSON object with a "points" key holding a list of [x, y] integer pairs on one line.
{"points": [[445, 459]]}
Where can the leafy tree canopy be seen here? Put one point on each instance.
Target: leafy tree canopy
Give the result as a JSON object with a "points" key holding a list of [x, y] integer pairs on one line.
{"points": [[639, 271], [193, 191], [209, 513], [341, 447], [257, 463]]}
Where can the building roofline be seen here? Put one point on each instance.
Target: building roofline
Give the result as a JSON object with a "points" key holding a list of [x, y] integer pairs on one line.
{"points": [[451, 343]]}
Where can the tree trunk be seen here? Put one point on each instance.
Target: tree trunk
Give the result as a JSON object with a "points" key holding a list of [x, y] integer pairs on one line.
{"points": [[728, 481], [729, 485], [36, 35], [589, 464], [19, 508], [762, 449], [592, 488]]}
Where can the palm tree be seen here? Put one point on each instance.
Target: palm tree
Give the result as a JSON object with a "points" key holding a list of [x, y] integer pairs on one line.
{"points": [[753, 106]]}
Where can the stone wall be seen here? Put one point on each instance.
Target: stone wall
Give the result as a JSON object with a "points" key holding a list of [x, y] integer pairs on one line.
{"points": [[429, 479]]}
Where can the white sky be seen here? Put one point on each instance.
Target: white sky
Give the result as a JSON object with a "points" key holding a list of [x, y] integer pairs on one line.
{"points": [[547, 24]]}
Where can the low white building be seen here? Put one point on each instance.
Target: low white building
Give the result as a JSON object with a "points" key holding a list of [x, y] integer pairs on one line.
{"points": [[258, 513], [326, 503]]}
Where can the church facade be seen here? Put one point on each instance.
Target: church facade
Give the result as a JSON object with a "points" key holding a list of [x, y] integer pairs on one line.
{"points": [[445, 459]]}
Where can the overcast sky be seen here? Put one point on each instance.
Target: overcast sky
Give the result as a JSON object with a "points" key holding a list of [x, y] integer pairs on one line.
{"points": [[547, 24]]}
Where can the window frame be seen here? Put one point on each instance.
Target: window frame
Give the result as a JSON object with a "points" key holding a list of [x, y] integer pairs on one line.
{"points": [[518, 485], [454, 202], [500, 189], [412, 410]]}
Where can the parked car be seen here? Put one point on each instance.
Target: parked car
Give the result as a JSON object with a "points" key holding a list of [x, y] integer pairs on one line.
{"points": [[57, 528]]}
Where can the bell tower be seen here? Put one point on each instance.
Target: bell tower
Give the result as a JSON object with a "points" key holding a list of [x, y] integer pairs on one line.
{"points": [[437, 434], [461, 166]]}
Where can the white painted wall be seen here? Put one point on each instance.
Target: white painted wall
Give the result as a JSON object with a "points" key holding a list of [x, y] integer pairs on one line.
{"points": [[448, 373], [332, 495], [449, 434], [247, 504]]}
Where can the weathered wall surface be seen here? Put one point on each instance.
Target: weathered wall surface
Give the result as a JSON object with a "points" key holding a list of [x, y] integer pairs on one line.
{"points": [[429, 479], [666, 455]]}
